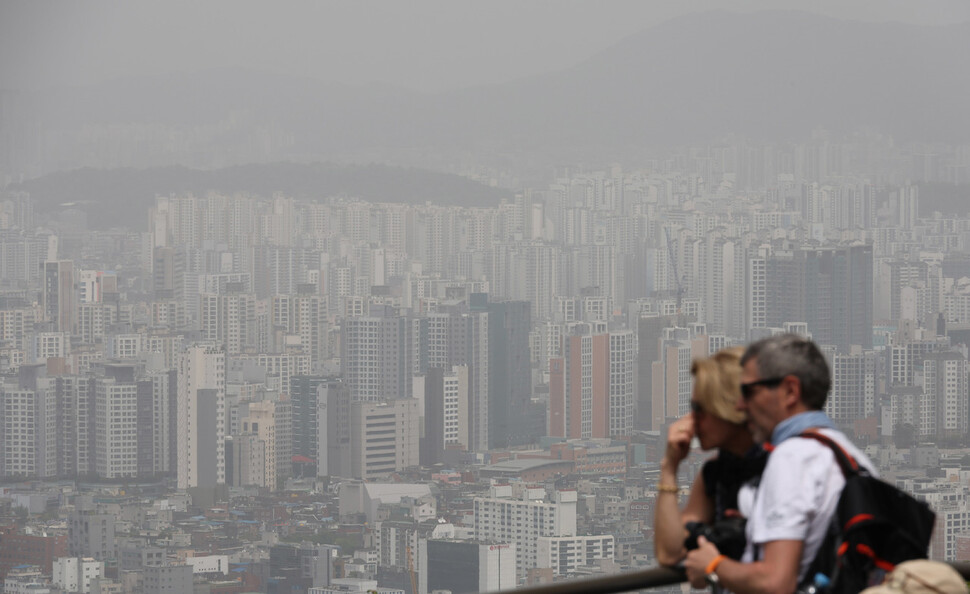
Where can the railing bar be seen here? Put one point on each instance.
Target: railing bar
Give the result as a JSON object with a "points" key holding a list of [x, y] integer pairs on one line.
{"points": [[622, 582], [649, 578]]}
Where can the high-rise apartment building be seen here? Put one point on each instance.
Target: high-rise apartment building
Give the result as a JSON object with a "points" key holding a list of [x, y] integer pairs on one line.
{"points": [[116, 423], [853, 394], [591, 387], [579, 384], [672, 381], [457, 336], [334, 429], [229, 319], [28, 432], [246, 461], [379, 354], [59, 295], [829, 288], [306, 392], [162, 386], [944, 408], [622, 385], [201, 426], [445, 412], [269, 422]]}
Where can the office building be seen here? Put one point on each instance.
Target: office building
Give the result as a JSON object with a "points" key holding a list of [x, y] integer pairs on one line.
{"points": [[384, 437], [466, 567]]}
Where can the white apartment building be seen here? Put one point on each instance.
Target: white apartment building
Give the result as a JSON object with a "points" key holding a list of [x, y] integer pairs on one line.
{"points": [[116, 423], [74, 574], [125, 346], [623, 396], [92, 320], [16, 324], [951, 520], [944, 404], [47, 345], [564, 554], [853, 392], [28, 432], [522, 518], [455, 419]]}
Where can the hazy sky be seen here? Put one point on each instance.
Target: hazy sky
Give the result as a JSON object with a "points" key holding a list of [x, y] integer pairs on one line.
{"points": [[426, 45]]}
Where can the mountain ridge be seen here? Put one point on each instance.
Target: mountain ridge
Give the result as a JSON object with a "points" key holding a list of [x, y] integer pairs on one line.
{"points": [[123, 196]]}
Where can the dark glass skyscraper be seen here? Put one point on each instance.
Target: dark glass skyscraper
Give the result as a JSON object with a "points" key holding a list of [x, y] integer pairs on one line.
{"points": [[303, 396], [512, 417], [829, 288]]}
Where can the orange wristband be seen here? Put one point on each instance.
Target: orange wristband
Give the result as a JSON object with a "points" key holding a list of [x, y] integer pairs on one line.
{"points": [[712, 566]]}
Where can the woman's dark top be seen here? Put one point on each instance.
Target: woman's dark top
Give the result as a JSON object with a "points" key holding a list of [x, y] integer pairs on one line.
{"points": [[724, 475]]}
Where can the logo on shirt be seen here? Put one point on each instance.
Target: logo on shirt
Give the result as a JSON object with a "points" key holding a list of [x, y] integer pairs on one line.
{"points": [[775, 519]]}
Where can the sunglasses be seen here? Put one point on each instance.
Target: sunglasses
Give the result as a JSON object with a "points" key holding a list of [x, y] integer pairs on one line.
{"points": [[748, 389]]}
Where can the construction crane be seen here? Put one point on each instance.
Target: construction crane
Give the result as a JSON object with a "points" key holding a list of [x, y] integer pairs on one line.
{"points": [[414, 579], [673, 264]]}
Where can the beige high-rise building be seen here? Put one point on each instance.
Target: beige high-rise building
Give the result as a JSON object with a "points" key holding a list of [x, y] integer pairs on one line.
{"points": [[269, 422], [201, 425]]}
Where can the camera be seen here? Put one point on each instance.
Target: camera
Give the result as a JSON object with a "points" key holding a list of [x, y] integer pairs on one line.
{"points": [[726, 534]]}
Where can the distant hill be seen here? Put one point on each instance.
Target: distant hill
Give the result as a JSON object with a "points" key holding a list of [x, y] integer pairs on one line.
{"points": [[123, 196], [771, 75]]}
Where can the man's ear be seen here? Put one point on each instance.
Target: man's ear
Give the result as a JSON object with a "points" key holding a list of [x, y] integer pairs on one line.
{"points": [[793, 391]]}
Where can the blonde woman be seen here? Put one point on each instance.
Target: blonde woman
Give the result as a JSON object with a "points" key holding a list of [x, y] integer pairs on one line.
{"points": [[712, 504]]}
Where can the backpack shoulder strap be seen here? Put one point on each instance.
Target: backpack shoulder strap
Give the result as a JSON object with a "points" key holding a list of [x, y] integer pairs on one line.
{"points": [[846, 462]]}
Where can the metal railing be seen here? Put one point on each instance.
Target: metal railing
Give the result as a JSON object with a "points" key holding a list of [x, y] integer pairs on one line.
{"points": [[644, 580]]}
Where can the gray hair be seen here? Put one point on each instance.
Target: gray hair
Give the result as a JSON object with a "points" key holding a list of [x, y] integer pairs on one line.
{"points": [[791, 354]]}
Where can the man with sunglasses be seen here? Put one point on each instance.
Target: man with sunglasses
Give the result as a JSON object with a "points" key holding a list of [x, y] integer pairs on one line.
{"points": [[784, 384]]}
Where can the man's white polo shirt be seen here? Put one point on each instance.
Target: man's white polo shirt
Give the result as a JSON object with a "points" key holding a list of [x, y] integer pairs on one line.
{"points": [[797, 496]]}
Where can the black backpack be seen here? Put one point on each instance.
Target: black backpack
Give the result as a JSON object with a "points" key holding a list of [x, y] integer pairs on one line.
{"points": [[875, 527]]}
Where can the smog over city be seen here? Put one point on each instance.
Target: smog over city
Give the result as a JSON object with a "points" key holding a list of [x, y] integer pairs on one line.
{"points": [[408, 297]]}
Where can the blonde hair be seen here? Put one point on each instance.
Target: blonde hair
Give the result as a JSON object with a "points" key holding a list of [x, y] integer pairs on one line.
{"points": [[717, 384]]}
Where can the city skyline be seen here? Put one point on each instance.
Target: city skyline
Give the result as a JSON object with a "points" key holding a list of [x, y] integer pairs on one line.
{"points": [[332, 298]]}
